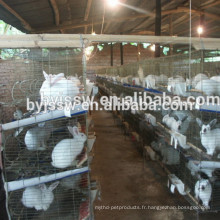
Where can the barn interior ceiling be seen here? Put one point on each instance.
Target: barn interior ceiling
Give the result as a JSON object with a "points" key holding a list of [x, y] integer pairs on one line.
{"points": [[135, 17]]}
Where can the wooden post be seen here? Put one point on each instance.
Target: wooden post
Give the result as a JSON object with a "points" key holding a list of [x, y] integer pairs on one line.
{"points": [[122, 53], [139, 52], [88, 8], [111, 54], [202, 23], [158, 26], [171, 32], [202, 61]]}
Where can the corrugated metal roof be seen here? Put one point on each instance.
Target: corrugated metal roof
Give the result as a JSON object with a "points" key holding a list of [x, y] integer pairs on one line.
{"points": [[41, 17]]}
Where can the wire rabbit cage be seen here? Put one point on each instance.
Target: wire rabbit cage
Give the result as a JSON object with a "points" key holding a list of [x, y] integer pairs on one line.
{"points": [[45, 145], [185, 141]]}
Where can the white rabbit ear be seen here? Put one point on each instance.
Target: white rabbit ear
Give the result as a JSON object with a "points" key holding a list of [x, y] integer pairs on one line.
{"points": [[176, 118], [56, 78], [184, 118], [213, 122], [73, 130], [199, 122], [70, 130], [45, 75], [53, 186]]}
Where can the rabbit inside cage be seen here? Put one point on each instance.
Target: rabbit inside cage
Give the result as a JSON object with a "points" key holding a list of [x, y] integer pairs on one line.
{"points": [[195, 161], [54, 200], [34, 150]]}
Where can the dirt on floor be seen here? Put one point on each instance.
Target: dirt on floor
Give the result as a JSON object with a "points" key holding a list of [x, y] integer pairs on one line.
{"points": [[127, 183]]}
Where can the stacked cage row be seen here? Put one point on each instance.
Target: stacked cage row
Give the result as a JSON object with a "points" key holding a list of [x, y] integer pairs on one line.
{"points": [[185, 140], [46, 148]]}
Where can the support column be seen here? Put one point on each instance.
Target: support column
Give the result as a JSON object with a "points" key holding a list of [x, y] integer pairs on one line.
{"points": [[122, 53], [111, 54], [171, 32], [139, 52], [158, 26]]}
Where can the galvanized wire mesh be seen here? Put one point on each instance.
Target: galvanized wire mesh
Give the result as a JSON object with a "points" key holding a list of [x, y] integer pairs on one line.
{"points": [[194, 165], [29, 151]]}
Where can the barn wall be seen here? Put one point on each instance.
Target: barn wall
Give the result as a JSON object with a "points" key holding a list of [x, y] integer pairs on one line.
{"points": [[11, 71], [15, 70], [29, 72], [101, 59]]}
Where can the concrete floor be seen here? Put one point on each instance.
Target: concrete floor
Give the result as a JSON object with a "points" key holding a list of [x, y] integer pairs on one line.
{"points": [[125, 181]]}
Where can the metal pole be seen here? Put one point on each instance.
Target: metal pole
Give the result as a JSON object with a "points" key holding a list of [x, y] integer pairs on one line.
{"points": [[158, 26], [111, 54], [122, 53]]}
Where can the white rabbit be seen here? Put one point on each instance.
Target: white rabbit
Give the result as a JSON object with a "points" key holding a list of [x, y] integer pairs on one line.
{"points": [[216, 78], [203, 191], [66, 151], [151, 81], [129, 77], [172, 81], [136, 81], [180, 89], [39, 197], [210, 139], [209, 87], [174, 123], [118, 78], [114, 78], [150, 119], [36, 138], [75, 80], [124, 80], [170, 84], [199, 77], [56, 87], [181, 114], [71, 182], [177, 85], [163, 79]]}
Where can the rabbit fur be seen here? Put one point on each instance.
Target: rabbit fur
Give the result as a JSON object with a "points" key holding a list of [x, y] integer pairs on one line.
{"points": [[66, 151], [203, 191], [36, 138], [39, 197], [210, 139]]}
